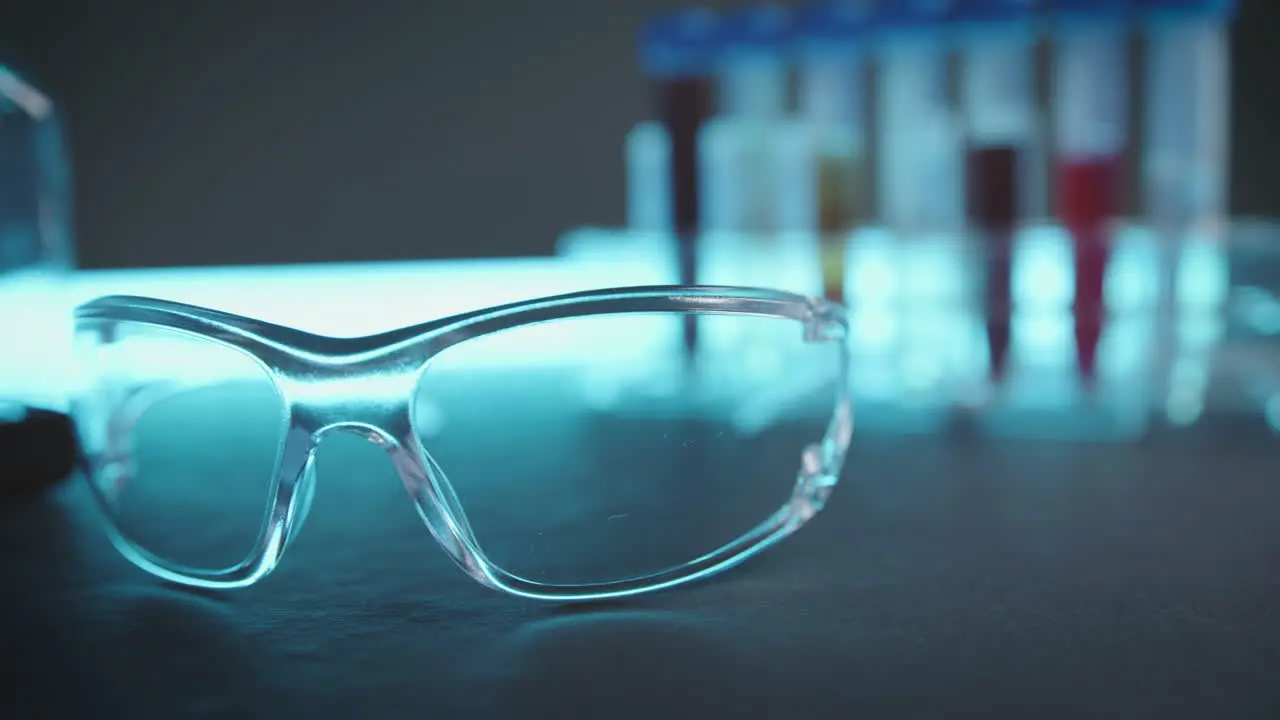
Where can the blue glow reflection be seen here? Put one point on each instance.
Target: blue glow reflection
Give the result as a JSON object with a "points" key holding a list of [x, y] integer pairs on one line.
{"points": [[916, 337]]}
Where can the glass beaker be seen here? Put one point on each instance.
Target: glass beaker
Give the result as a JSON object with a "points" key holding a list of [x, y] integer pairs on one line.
{"points": [[36, 250]]}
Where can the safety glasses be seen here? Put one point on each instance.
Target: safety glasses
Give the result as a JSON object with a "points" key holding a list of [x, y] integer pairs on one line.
{"points": [[585, 446]]}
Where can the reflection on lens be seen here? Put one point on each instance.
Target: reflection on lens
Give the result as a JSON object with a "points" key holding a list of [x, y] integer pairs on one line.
{"points": [[595, 449], [183, 434]]}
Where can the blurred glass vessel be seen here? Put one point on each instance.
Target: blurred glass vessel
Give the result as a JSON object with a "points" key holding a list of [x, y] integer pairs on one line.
{"points": [[919, 166], [1200, 340], [833, 49], [1185, 155], [997, 90], [744, 143], [36, 247], [1092, 138]]}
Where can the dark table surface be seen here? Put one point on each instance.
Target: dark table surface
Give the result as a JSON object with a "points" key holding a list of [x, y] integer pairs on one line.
{"points": [[945, 577]]}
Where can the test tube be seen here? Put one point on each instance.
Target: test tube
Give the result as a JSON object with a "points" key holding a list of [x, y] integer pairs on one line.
{"points": [[648, 160], [677, 54], [832, 43], [998, 101], [1187, 98], [753, 81], [918, 177], [1091, 136], [1185, 150]]}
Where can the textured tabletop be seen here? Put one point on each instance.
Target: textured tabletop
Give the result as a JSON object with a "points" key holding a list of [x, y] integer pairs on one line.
{"points": [[945, 577]]}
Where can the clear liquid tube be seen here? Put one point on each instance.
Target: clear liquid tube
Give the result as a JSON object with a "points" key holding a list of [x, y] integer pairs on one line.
{"points": [[648, 161], [1188, 95], [1185, 155], [918, 187], [753, 88], [918, 170]]}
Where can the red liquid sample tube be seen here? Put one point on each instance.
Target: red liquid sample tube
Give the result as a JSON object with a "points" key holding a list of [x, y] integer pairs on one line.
{"points": [[684, 106], [1088, 192], [1091, 69], [992, 205]]}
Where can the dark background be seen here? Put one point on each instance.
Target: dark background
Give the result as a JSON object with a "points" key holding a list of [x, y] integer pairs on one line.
{"points": [[945, 578], [283, 131]]}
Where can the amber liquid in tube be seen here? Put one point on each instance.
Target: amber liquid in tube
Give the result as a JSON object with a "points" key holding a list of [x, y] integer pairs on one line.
{"points": [[842, 185], [831, 98]]}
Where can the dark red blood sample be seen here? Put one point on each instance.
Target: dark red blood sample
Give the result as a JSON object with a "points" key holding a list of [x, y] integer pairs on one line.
{"points": [[684, 106], [992, 208], [1088, 199]]}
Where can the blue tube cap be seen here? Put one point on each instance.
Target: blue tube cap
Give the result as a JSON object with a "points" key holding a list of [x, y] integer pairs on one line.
{"points": [[983, 11], [834, 25], [896, 15], [683, 43], [761, 29], [1091, 9], [1211, 8]]}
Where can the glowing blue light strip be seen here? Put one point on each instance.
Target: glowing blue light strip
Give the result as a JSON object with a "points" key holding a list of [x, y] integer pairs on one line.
{"points": [[934, 270], [332, 299], [357, 299]]}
